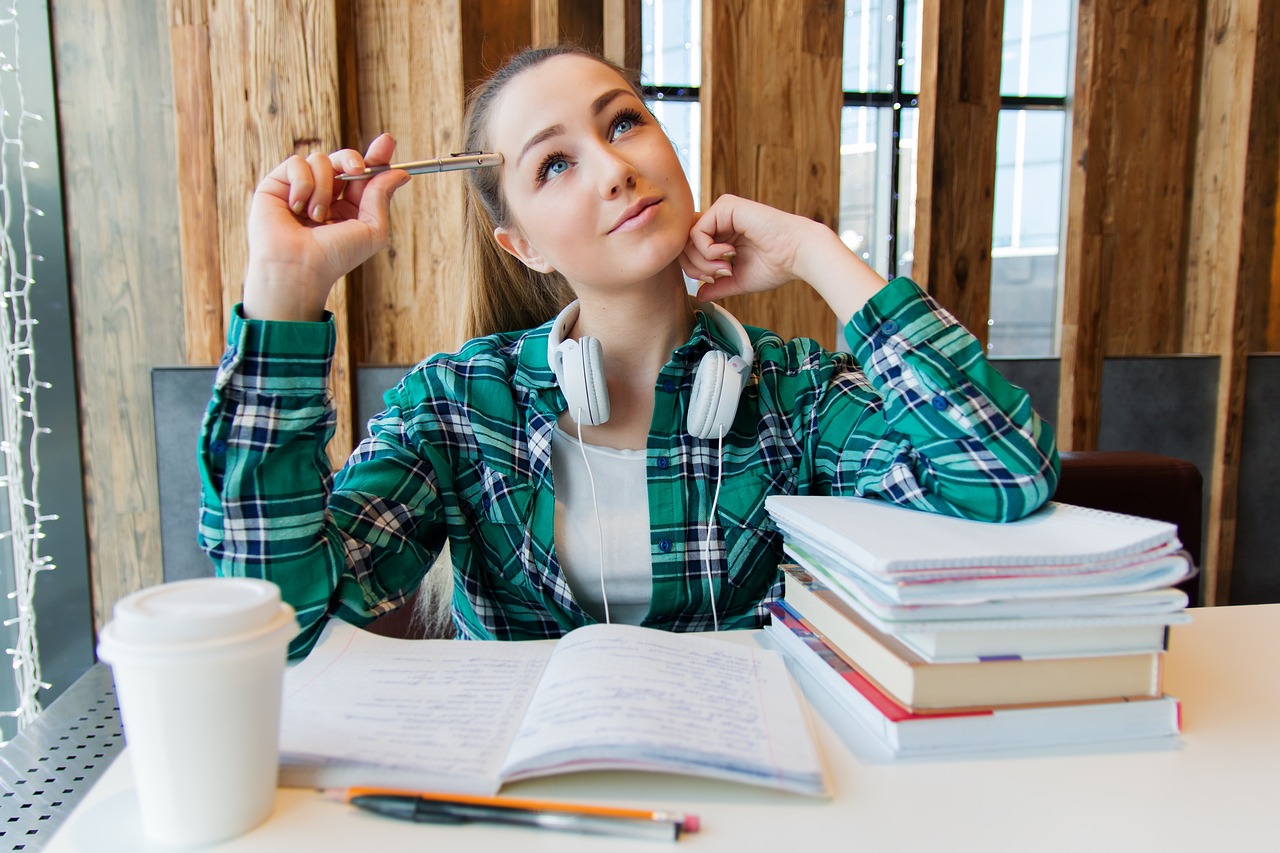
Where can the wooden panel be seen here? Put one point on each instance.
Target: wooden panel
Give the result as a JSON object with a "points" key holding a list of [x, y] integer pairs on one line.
{"points": [[1271, 340], [1080, 380], [1221, 268], [122, 243], [622, 38], [771, 130], [1129, 178], [491, 30], [1150, 83], [1260, 255], [197, 180], [409, 82], [275, 94], [577, 21], [956, 166]]}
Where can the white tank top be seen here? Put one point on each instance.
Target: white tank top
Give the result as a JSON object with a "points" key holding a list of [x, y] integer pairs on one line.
{"points": [[623, 493]]}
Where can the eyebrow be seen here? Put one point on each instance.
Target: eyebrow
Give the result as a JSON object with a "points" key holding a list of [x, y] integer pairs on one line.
{"points": [[597, 107]]}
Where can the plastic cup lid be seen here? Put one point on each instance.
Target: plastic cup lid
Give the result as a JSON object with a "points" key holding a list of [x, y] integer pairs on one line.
{"points": [[197, 610]]}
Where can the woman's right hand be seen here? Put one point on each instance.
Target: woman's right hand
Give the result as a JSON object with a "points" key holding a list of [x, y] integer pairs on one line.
{"points": [[307, 229]]}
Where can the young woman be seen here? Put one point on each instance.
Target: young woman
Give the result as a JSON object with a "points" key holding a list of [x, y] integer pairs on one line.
{"points": [[609, 459]]}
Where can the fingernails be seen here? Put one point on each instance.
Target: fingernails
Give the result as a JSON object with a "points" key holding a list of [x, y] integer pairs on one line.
{"points": [[728, 256], [318, 213], [298, 207], [353, 165], [706, 279], [723, 273]]}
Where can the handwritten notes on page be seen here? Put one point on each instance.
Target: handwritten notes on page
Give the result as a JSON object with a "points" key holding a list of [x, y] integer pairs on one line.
{"points": [[427, 713], [619, 696], [464, 716]]}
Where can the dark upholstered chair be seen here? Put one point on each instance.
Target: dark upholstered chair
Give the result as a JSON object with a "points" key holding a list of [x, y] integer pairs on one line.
{"points": [[1145, 484]]}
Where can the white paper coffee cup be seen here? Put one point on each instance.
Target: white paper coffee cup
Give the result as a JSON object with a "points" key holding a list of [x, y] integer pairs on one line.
{"points": [[199, 670]]}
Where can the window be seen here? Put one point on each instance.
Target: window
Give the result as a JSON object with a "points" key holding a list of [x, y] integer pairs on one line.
{"points": [[878, 163], [671, 70], [881, 79]]}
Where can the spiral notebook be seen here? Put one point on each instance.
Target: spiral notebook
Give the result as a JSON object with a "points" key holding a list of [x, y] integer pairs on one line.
{"points": [[891, 541]]}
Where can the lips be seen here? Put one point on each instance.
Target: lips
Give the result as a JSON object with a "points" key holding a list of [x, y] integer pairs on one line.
{"points": [[635, 213]]}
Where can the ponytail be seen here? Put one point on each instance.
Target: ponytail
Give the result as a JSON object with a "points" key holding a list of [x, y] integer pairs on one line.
{"points": [[503, 295]]}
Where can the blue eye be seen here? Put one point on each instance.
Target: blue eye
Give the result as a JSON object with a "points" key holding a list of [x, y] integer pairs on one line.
{"points": [[622, 126], [625, 122], [554, 164]]}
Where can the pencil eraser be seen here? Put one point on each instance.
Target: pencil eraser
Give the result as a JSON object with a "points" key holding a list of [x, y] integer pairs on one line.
{"points": [[690, 823]]}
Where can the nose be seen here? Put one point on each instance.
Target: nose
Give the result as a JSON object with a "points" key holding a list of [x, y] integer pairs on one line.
{"points": [[616, 173]]}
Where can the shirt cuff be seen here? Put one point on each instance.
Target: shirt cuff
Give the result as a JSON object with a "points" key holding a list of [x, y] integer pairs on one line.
{"points": [[276, 356], [899, 312]]}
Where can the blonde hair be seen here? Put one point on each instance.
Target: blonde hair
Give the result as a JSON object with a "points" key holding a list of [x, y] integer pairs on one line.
{"points": [[504, 295]]}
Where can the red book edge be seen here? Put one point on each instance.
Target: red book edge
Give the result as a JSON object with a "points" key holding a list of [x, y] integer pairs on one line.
{"points": [[818, 643]]}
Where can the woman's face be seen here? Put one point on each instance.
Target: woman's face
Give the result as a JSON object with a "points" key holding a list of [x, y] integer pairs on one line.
{"points": [[593, 183]]}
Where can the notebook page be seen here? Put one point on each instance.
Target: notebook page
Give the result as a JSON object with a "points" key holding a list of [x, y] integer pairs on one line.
{"points": [[362, 706], [616, 696]]}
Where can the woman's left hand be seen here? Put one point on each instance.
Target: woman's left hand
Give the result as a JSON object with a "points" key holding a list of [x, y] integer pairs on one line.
{"points": [[742, 246]]}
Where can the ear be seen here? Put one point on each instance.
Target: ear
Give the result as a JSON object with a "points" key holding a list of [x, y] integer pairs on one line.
{"points": [[517, 245]]}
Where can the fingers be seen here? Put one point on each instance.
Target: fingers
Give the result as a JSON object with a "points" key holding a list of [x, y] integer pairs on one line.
{"points": [[705, 257], [322, 193], [380, 150], [301, 184], [309, 188]]}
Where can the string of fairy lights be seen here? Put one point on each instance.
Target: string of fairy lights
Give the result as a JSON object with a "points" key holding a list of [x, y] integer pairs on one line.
{"points": [[20, 526]]}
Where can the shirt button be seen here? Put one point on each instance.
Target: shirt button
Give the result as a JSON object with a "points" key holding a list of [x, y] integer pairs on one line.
{"points": [[217, 448], [664, 546], [888, 327], [663, 462], [940, 403], [668, 385]]}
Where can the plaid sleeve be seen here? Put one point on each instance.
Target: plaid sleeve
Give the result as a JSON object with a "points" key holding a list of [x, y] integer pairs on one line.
{"points": [[943, 429], [266, 484]]}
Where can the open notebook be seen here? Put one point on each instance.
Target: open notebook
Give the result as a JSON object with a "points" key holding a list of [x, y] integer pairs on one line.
{"points": [[465, 717]]}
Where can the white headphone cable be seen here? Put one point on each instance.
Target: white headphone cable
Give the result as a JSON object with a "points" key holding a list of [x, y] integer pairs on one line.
{"points": [[596, 504], [711, 520]]}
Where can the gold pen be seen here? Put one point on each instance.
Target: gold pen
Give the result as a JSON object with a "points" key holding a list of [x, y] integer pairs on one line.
{"points": [[452, 163]]}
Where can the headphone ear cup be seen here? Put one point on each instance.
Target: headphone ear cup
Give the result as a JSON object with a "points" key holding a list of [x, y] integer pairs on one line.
{"points": [[708, 391], [593, 374], [579, 369]]}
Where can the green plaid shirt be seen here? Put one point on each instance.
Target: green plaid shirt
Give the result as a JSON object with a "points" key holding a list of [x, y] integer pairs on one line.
{"points": [[915, 415]]}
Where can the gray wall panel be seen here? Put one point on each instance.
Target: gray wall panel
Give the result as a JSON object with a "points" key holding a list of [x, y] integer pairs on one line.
{"points": [[1255, 575], [1161, 405], [180, 396], [1038, 377]]}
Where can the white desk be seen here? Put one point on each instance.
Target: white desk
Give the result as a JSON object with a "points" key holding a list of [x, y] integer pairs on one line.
{"points": [[1216, 789]]}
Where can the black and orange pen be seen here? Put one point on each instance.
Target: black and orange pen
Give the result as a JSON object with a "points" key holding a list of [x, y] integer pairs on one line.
{"points": [[426, 807]]}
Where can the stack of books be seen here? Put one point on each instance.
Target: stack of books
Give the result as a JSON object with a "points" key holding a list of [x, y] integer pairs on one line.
{"points": [[945, 635]]}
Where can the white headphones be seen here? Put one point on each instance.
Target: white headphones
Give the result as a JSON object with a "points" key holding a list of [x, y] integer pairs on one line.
{"points": [[717, 383]]}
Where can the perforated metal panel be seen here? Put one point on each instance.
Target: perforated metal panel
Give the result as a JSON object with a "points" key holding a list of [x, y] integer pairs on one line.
{"points": [[52, 764]]}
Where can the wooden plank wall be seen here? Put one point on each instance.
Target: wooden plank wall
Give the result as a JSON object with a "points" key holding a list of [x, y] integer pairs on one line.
{"points": [[961, 49], [771, 129], [122, 246], [1232, 242], [1131, 157], [222, 91]]}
